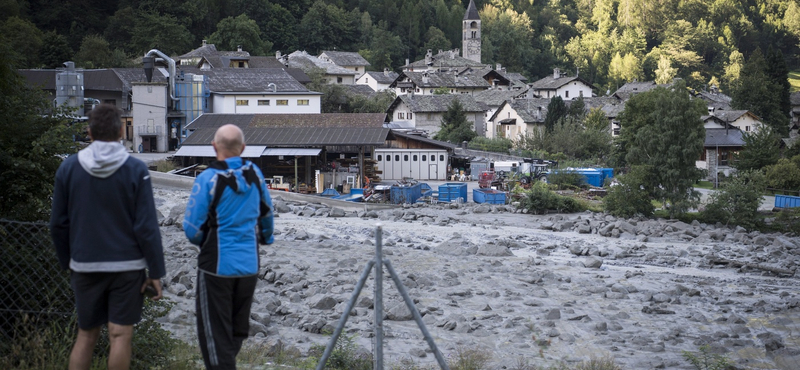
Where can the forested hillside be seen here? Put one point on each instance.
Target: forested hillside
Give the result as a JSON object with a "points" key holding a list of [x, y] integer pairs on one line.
{"points": [[607, 41]]}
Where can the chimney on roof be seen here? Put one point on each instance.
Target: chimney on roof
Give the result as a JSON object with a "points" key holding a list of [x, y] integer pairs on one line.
{"points": [[406, 61], [453, 54], [498, 67], [386, 71], [278, 54], [428, 56], [204, 42], [238, 47], [556, 73], [425, 77], [440, 51]]}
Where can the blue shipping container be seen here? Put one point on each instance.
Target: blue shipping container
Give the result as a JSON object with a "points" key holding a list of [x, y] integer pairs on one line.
{"points": [[405, 194], [451, 191], [488, 196], [787, 201]]}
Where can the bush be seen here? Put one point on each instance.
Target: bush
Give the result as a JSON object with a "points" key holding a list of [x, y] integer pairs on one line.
{"points": [[164, 165], [469, 359], [629, 198], [738, 200], [783, 175], [705, 360], [541, 199], [788, 221], [345, 355], [566, 179], [497, 145]]}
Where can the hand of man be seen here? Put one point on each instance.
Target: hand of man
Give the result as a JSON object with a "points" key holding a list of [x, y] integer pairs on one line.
{"points": [[155, 286]]}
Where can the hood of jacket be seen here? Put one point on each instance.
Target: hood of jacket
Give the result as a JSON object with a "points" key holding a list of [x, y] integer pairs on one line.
{"points": [[103, 158]]}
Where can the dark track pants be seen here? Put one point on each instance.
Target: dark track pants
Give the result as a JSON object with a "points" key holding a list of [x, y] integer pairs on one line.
{"points": [[223, 317]]}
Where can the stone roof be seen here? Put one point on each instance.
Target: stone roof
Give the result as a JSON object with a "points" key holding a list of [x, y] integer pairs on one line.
{"points": [[428, 80], [732, 115], [344, 58], [383, 77], [222, 80], [472, 11], [552, 83], [308, 62], [610, 105], [716, 100], [731, 137], [211, 50], [795, 98], [295, 129], [530, 110], [438, 103], [445, 59], [632, 88], [495, 98], [363, 90]]}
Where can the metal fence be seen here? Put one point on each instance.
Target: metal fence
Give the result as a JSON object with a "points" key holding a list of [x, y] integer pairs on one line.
{"points": [[33, 288]]}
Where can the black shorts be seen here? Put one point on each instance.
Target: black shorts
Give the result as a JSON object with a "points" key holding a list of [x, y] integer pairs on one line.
{"points": [[102, 297]]}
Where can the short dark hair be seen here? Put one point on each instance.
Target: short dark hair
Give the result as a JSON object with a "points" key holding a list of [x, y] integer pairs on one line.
{"points": [[105, 123]]}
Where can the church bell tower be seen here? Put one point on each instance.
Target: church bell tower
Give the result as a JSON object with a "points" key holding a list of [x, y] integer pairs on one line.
{"points": [[471, 34]]}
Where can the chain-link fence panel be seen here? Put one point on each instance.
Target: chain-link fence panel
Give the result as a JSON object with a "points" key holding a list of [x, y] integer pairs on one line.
{"points": [[33, 288]]}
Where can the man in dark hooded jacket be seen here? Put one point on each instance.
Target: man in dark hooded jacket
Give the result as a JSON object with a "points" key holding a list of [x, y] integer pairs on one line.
{"points": [[105, 231]]}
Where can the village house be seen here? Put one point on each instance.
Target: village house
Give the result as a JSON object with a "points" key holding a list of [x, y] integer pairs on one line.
{"points": [[430, 83], [346, 59], [559, 84], [425, 112], [334, 74], [378, 81], [517, 118]]}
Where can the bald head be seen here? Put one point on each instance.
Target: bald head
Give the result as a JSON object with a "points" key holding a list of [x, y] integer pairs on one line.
{"points": [[228, 141]]}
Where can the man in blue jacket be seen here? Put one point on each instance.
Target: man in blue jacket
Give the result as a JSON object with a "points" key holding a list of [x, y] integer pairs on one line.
{"points": [[229, 213], [104, 228]]}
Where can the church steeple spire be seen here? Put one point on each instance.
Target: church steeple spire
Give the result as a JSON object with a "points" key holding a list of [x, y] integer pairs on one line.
{"points": [[472, 11], [471, 33]]}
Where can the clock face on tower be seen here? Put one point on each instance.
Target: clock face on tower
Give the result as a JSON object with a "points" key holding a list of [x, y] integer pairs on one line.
{"points": [[473, 47]]}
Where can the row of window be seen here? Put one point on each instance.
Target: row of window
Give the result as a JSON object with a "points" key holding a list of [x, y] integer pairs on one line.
{"points": [[402, 115], [263, 102], [413, 157]]}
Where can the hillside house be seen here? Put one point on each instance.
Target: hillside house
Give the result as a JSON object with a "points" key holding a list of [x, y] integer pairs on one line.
{"points": [[334, 74], [517, 118], [425, 112], [428, 83], [378, 81], [443, 60], [346, 59], [559, 84]]}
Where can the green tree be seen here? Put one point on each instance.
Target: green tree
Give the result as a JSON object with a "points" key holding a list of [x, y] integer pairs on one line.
{"points": [[160, 31], [32, 146], [760, 150], [327, 27], [755, 91], [24, 40], [597, 120], [778, 72], [280, 28], [785, 174], [661, 130], [665, 73], [630, 197], [455, 126], [577, 108], [240, 31], [738, 201], [95, 52], [436, 40], [556, 110], [55, 50]]}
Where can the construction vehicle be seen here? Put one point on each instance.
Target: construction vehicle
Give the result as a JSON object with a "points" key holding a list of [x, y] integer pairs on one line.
{"points": [[535, 170]]}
